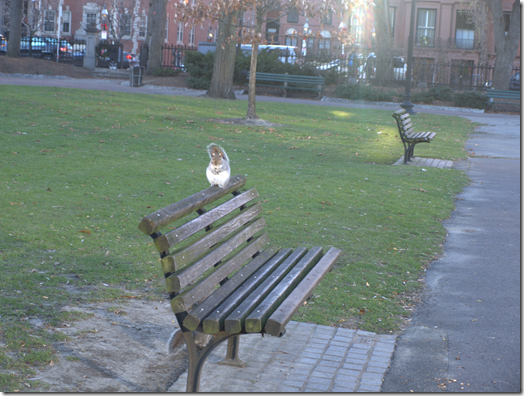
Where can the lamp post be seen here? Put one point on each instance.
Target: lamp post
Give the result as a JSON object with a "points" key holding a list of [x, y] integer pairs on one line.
{"points": [[407, 97], [342, 29], [305, 30], [103, 33]]}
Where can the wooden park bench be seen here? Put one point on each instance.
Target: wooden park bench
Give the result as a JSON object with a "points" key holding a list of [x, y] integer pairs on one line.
{"points": [[495, 94], [221, 276], [408, 136], [311, 83]]}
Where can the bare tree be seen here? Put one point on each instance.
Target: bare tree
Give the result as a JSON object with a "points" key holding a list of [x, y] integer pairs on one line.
{"points": [[252, 27], [15, 31], [506, 43]]}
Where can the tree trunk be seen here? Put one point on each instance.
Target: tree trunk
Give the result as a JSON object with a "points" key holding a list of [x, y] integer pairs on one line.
{"points": [[15, 29], [251, 100], [224, 66], [156, 32], [384, 40], [506, 45]]}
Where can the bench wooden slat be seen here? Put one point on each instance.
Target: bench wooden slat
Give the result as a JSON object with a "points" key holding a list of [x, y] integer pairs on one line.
{"points": [[154, 221], [256, 321], [214, 322], [197, 315], [235, 321], [278, 320], [175, 236], [203, 287], [186, 276], [184, 256]]}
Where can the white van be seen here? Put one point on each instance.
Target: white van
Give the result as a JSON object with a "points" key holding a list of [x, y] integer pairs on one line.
{"points": [[286, 53]]}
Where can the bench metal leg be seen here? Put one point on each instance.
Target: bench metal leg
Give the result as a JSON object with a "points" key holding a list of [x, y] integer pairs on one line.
{"points": [[406, 153], [196, 359], [232, 358]]}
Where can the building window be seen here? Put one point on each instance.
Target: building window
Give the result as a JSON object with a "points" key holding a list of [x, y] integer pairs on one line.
{"points": [[192, 36], [327, 19], [180, 33], [125, 25], [426, 28], [49, 21], [392, 11], [166, 35], [356, 27], [66, 22], [292, 37], [272, 29], [90, 18], [506, 15], [325, 42], [292, 16], [464, 30], [142, 26]]}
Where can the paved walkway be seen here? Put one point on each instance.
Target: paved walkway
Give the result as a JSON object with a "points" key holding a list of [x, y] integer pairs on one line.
{"points": [[308, 358], [426, 162]]}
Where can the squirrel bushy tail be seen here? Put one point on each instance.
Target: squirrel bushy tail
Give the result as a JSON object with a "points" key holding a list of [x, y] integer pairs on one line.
{"points": [[215, 149]]}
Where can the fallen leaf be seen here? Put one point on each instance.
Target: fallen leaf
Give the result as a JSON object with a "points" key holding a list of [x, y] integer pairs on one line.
{"points": [[85, 231]]}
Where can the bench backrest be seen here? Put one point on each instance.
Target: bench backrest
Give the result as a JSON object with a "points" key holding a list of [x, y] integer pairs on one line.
{"points": [[289, 78], [497, 93], [199, 253], [404, 123]]}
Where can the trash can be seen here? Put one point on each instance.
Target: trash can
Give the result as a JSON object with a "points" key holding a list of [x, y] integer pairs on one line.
{"points": [[135, 76]]}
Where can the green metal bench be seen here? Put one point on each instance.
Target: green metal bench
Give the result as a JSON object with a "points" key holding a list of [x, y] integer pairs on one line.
{"points": [[221, 276], [408, 136], [494, 94], [313, 83]]}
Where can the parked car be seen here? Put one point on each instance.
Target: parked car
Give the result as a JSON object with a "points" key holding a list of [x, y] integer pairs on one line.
{"points": [[286, 53], [3, 44], [514, 82], [33, 46]]}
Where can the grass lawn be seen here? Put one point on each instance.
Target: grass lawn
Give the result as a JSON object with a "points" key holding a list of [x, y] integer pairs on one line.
{"points": [[81, 168]]}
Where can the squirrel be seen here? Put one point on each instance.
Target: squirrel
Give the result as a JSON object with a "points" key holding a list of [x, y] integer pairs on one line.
{"points": [[218, 171]]}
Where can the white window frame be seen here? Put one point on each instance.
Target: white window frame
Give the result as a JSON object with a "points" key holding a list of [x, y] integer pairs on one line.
{"points": [[180, 33], [66, 18], [424, 28], [87, 18], [127, 26], [49, 21], [142, 26], [291, 38], [325, 41], [192, 36]]}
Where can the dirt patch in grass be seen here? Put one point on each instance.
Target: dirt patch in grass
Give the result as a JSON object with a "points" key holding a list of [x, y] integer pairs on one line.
{"points": [[29, 65], [120, 347]]}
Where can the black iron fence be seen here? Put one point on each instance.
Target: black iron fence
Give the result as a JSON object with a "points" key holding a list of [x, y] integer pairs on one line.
{"points": [[339, 69], [173, 56]]}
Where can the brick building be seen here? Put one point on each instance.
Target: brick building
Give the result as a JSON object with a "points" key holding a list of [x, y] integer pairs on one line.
{"points": [[443, 31]]}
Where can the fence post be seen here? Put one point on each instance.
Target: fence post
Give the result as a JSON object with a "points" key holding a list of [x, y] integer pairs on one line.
{"points": [[91, 41]]}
